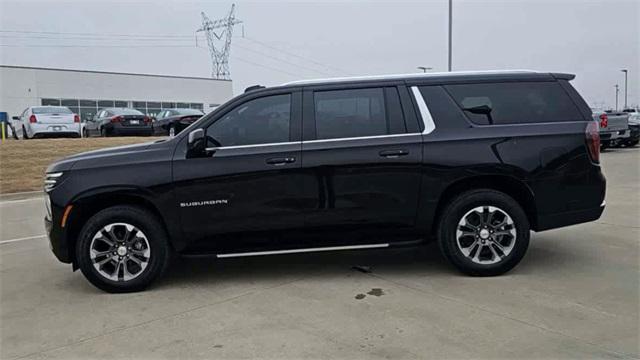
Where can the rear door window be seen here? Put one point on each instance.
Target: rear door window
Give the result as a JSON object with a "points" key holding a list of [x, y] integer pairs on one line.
{"points": [[357, 113], [514, 103]]}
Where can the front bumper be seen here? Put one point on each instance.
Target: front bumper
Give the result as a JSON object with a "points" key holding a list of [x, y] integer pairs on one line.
{"points": [[57, 241]]}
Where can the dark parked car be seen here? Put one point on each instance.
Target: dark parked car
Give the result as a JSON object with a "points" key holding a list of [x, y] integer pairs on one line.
{"points": [[172, 121], [118, 121], [474, 160]]}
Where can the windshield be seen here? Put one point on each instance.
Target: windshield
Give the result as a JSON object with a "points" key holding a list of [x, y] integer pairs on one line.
{"points": [[51, 110], [126, 112]]}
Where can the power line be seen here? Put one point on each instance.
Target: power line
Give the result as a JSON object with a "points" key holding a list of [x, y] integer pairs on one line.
{"points": [[293, 54], [93, 34], [94, 46], [29, 37], [266, 66], [283, 61]]}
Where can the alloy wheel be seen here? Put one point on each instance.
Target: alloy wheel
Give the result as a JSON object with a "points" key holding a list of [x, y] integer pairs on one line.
{"points": [[486, 235], [120, 252]]}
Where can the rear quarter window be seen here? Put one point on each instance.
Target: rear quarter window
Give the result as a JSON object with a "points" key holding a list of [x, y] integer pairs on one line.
{"points": [[514, 103]]}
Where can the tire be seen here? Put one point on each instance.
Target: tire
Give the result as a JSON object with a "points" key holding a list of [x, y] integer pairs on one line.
{"points": [[150, 242], [25, 136], [483, 259], [14, 133], [85, 133], [103, 132]]}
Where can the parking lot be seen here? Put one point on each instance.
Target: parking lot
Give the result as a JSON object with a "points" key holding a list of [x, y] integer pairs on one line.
{"points": [[575, 295]]}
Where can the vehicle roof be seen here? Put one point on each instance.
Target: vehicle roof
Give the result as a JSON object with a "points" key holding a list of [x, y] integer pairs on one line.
{"points": [[439, 76]]}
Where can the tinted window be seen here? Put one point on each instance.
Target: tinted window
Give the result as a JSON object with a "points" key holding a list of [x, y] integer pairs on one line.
{"points": [[260, 121], [51, 110], [355, 113], [512, 103], [53, 102]]}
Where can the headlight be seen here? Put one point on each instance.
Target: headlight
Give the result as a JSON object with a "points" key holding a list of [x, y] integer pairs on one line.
{"points": [[50, 180]]}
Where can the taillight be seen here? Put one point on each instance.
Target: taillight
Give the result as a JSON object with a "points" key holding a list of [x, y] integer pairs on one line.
{"points": [[32, 119], [147, 119], [592, 135], [604, 120], [76, 118], [117, 119]]}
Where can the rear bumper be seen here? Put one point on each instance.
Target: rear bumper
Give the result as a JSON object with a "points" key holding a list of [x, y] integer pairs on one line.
{"points": [[118, 129], [613, 135], [53, 129], [553, 221]]}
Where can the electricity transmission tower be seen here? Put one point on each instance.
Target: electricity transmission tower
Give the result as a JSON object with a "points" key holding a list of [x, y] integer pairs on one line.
{"points": [[220, 53]]}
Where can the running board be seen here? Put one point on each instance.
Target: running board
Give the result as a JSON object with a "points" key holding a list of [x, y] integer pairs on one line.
{"points": [[295, 251]]}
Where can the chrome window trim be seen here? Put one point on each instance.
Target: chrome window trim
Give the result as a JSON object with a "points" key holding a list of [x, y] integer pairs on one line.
{"points": [[427, 119], [358, 138], [252, 146], [295, 251], [310, 141]]}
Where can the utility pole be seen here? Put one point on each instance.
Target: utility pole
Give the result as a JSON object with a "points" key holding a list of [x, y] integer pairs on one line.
{"points": [[450, 32], [219, 54], [626, 72], [617, 91], [424, 68]]}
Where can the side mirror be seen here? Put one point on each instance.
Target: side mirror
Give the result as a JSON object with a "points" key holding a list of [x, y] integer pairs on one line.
{"points": [[196, 144], [15, 117]]}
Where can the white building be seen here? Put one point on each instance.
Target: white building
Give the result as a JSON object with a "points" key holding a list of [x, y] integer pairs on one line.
{"points": [[84, 92]]}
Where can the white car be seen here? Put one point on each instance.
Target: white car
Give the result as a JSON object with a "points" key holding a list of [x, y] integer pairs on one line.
{"points": [[46, 121]]}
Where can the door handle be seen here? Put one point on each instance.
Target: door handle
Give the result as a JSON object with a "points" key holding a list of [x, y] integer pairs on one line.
{"points": [[281, 161], [393, 153]]}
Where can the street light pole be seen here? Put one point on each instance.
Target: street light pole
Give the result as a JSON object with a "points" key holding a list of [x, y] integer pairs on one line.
{"points": [[617, 91], [424, 68], [450, 31], [626, 72]]}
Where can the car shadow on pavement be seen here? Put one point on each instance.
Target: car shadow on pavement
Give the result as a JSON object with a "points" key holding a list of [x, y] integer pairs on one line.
{"points": [[210, 270]]}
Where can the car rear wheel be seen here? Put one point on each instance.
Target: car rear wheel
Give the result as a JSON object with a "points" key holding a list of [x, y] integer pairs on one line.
{"points": [[122, 249], [85, 133], [103, 132], [483, 232]]}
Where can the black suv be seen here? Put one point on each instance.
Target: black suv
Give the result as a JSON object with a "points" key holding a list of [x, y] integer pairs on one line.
{"points": [[474, 160]]}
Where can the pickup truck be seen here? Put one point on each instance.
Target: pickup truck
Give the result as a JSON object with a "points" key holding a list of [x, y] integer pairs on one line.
{"points": [[634, 126], [614, 127]]}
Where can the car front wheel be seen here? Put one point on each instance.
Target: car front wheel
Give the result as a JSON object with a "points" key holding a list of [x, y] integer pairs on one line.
{"points": [[484, 232], [122, 249]]}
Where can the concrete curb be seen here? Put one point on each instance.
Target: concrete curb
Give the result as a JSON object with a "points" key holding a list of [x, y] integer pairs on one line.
{"points": [[21, 195]]}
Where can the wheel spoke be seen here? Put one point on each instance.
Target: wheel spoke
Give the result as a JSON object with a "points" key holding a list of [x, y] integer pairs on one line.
{"points": [[467, 233], [96, 254], [494, 252], [103, 261], [476, 257], [106, 240], [502, 233]]}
